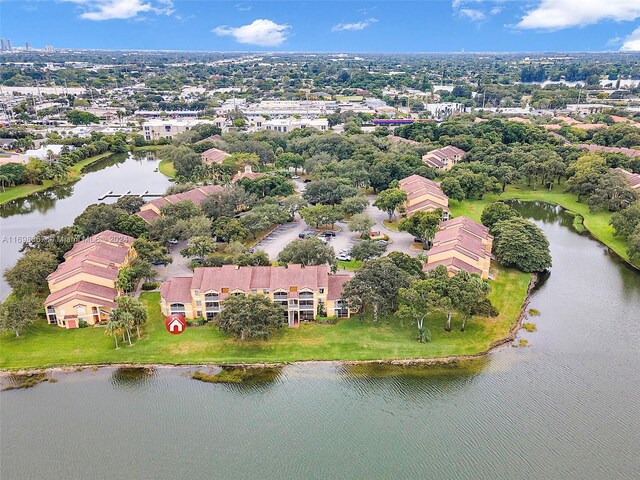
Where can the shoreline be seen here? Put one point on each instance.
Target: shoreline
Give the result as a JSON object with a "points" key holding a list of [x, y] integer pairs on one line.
{"points": [[75, 174], [585, 228], [447, 360]]}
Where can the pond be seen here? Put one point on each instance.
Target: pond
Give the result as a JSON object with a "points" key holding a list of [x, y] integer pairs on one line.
{"points": [[564, 407], [58, 206]]}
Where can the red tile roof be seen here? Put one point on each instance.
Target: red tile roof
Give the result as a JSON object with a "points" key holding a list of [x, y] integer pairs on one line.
{"points": [[178, 289], [213, 155], [96, 292], [632, 178], [197, 195], [462, 235], [396, 139], [629, 152], [436, 158], [246, 279]]}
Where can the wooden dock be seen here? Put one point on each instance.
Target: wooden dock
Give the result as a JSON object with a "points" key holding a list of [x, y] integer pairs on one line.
{"points": [[110, 194]]}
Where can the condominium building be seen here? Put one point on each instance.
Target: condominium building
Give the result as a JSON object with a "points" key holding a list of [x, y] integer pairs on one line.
{"points": [[302, 291], [461, 244], [151, 210], [443, 158], [423, 195], [632, 178], [213, 155], [83, 287]]}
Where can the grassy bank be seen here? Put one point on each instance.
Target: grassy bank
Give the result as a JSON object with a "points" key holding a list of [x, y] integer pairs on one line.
{"points": [[596, 222], [75, 172], [167, 169], [350, 339]]}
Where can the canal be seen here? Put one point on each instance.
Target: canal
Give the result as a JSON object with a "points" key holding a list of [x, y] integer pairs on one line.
{"points": [[58, 206], [565, 407]]}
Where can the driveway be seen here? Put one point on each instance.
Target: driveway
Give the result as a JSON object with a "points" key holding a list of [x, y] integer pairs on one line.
{"points": [[284, 234], [400, 241], [178, 268]]}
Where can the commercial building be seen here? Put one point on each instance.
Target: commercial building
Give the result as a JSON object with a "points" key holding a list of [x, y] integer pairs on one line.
{"points": [[443, 158], [151, 210], [83, 287], [293, 123], [157, 129], [302, 291], [461, 244], [423, 195]]}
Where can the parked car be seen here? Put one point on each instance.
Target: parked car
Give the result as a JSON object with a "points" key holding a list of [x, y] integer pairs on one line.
{"points": [[295, 177], [307, 180], [345, 257], [159, 262], [417, 240], [328, 233], [173, 241], [306, 234], [382, 242]]}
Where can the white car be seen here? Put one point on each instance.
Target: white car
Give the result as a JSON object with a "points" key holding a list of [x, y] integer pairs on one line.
{"points": [[344, 257]]}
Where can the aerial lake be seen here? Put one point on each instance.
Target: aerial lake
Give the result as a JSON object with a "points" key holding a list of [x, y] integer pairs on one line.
{"points": [[57, 207], [565, 407]]}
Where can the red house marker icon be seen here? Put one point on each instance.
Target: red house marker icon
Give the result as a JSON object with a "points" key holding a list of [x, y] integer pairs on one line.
{"points": [[175, 324]]}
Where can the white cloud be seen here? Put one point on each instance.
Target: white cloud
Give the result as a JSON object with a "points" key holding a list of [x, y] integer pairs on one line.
{"points": [[355, 26], [99, 10], [262, 32], [558, 14], [632, 42], [243, 8], [476, 10], [472, 14]]}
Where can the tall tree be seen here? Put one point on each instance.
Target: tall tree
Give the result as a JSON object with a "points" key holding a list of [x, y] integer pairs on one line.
{"points": [[375, 286], [390, 201], [519, 243], [250, 317], [310, 251], [422, 224], [17, 313]]}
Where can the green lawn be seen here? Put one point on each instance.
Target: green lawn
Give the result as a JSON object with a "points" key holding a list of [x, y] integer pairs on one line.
{"points": [[19, 191], [166, 168], [597, 223], [350, 265], [350, 339]]}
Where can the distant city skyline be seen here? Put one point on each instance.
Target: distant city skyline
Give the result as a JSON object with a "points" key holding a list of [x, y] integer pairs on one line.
{"points": [[327, 26]]}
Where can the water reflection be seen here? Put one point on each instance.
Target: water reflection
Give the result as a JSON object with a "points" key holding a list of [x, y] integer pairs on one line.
{"points": [[131, 378], [412, 381]]}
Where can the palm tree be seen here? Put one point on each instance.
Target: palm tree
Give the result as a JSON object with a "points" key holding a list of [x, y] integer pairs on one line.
{"points": [[114, 329], [4, 180]]}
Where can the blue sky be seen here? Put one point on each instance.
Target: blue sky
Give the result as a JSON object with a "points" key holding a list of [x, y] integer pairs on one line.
{"points": [[325, 25]]}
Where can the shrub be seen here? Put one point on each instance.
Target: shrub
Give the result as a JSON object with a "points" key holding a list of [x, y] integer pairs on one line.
{"points": [[150, 285], [82, 324], [529, 327]]}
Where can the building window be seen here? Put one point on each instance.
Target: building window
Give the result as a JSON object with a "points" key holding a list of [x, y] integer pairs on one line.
{"points": [[306, 301], [321, 290], [293, 289], [211, 304], [51, 315], [340, 309], [177, 309], [225, 289]]}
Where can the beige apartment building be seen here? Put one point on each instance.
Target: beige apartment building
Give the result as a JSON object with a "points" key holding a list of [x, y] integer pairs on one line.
{"points": [[443, 158], [423, 195], [461, 244], [83, 287], [301, 290]]}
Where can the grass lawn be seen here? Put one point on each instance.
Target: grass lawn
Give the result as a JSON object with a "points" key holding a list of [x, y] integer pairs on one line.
{"points": [[350, 339], [350, 265], [596, 222], [75, 171], [391, 224], [166, 168]]}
